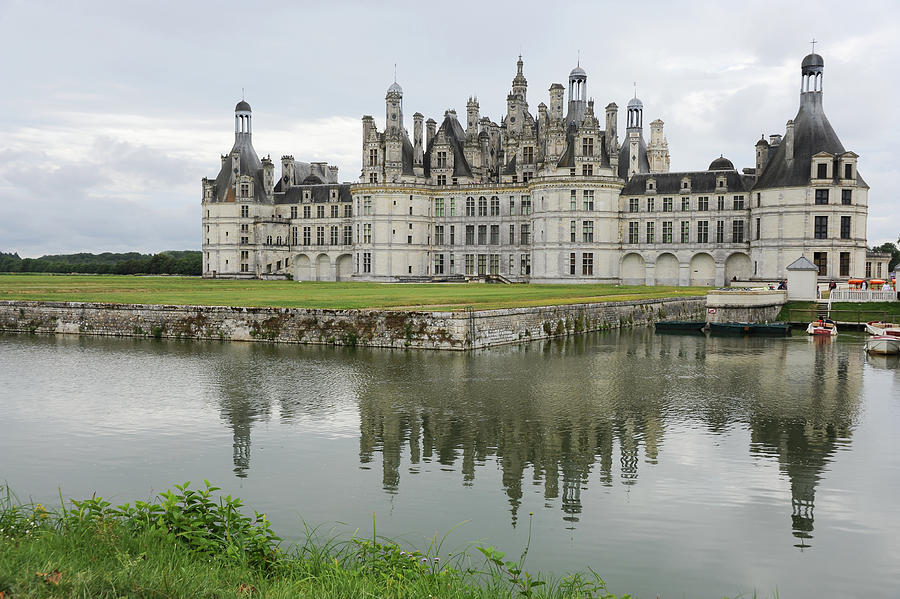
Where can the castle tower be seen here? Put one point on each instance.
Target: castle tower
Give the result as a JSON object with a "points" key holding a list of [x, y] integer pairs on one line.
{"points": [[242, 122], [577, 95], [519, 83], [658, 150], [393, 112], [472, 119]]}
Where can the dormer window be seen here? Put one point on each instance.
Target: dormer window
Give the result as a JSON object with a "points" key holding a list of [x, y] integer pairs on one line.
{"points": [[333, 194], [528, 154], [821, 167], [245, 190], [587, 146], [441, 160], [306, 196], [848, 171], [821, 171], [651, 184]]}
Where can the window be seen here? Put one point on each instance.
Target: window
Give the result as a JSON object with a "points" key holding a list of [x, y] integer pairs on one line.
{"points": [[333, 235], [306, 236], [293, 212], [525, 234], [439, 264], [268, 240], [685, 231], [573, 200], [452, 235], [244, 268], [587, 231], [821, 197], [470, 206], [409, 239], [703, 231], [821, 227], [572, 263], [373, 178], [482, 206], [482, 234], [758, 228], [587, 263], [703, 203], [650, 204], [820, 259], [470, 234], [495, 264], [373, 157], [868, 270], [572, 231], [848, 171], [452, 206], [244, 228], [348, 235], [441, 160], [528, 154], [667, 232], [245, 211], [587, 197], [846, 196], [685, 204], [495, 206], [306, 211], [367, 233], [439, 235], [245, 255], [495, 234], [737, 231], [526, 205], [525, 263], [821, 171], [367, 205], [527, 176], [720, 202], [470, 264], [845, 264], [587, 170], [512, 235], [244, 240], [720, 231], [667, 204], [320, 235], [651, 234], [320, 211], [245, 190], [294, 236], [633, 205], [633, 232], [367, 262], [845, 227], [441, 180], [512, 205], [587, 146], [439, 207], [334, 210], [452, 268]]}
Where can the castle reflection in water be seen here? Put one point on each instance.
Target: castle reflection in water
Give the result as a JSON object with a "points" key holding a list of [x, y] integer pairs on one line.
{"points": [[567, 414]]}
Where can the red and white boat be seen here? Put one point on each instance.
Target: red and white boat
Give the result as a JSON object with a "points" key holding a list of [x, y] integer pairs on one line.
{"points": [[878, 327], [883, 344], [822, 327]]}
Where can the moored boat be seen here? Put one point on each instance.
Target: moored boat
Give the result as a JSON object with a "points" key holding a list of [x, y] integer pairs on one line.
{"points": [[879, 327], [680, 325], [771, 328], [822, 327], [730, 328], [883, 344]]}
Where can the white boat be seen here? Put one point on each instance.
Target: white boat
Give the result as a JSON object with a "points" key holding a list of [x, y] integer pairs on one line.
{"points": [[877, 327], [822, 327], [883, 344]]}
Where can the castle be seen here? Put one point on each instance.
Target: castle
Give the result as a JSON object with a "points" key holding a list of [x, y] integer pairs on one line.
{"points": [[551, 198]]}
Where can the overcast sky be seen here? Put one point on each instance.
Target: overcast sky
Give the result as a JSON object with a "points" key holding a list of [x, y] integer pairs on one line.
{"points": [[112, 112]]}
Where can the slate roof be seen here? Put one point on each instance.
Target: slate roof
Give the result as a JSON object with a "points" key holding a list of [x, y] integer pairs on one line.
{"points": [[319, 194], [701, 182], [250, 165], [802, 263], [456, 136], [812, 134], [625, 157]]}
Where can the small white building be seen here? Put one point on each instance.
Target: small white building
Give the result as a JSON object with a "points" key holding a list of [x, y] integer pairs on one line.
{"points": [[802, 279]]}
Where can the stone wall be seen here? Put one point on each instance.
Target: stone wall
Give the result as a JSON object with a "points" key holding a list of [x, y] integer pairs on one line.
{"points": [[744, 305], [376, 328]]}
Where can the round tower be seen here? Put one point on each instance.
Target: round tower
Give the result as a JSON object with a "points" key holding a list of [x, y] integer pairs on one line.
{"points": [[393, 112], [635, 113], [242, 120], [811, 71], [577, 94]]}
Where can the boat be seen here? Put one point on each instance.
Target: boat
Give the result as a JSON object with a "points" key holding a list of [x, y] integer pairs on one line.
{"points": [[822, 327], [879, 327], [883, 344], [680, 325], [730, 328], [771, 328]]}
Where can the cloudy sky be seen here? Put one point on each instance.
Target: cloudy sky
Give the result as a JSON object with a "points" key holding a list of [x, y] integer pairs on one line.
{"points": [[112, 112]]}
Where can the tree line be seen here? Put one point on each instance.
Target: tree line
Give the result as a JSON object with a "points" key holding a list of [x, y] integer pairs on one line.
{"points": [[128, 263]]}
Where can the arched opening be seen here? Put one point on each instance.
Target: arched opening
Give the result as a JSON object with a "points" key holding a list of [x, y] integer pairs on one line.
{"points": [[302, 268], [667, 269], [634, 270], [703, 270], [323, 268], [738, 266], [344, 267]]}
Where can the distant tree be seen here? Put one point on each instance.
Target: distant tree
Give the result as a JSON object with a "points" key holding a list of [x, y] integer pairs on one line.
{"points": [[889, 248], [186, 262]]}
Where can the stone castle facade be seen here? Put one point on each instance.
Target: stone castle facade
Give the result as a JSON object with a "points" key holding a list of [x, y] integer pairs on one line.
{"points": [[553, 197]]}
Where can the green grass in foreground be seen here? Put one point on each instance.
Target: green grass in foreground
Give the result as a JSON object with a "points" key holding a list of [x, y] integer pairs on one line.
{"points": [[290, 294], [191, 545], [842, 311]]}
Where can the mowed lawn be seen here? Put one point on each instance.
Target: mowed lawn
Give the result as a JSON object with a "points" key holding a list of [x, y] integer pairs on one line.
{"points": [[290, 294]]}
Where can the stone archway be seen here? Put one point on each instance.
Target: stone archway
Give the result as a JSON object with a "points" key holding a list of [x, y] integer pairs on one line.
{"points": [[666, 269], [343, 267], [323, 268], [738, 265], [703, 270], [634, 270], [302, 268]]}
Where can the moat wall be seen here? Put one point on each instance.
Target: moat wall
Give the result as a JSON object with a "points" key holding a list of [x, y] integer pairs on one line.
{"points": [[459, 330]]}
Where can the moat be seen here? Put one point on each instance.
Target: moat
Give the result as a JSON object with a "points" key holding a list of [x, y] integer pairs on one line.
{"points": [[683, 465]]}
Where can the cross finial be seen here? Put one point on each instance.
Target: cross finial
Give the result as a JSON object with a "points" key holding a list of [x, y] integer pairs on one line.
{"points": [[813, 42], [579, 57], [242, 94], [395, 72], [635, 89]]}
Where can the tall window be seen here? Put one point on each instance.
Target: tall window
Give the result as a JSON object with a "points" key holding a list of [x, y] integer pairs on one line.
{"points": [[470, 234], [495, 264], [525, 234], [587, 263], [367, 262], [245, 211], [650, 204], [572, 231], [845, 227], [512, 206], [528, 154], [439, 235], [441, 160], [848, 171], [495, 206], [720, 231], [737, 231], [482, 234], [495, 234], [306, 211], [367, 205], [348, 234], [512, 235], [573, 200], [306, 236], [294, 236], [821, 196], [439, 264], [245, 190], [821, 171], [334, 210], [685, 204], [373, 157], [633, 231], [685, 231], [526, 205], [452, 237], [320, 211], [482, 206], [703, 231], [452, 206], [587, 231], [588, 199], [720, 202], [470, 206], [470, 264], [821, 227], [633, 205], [320, 235], [572, 263], [758, 228], [738, 202], [525, 263], [293, 212], [845, 264], [667, 232], [439, 206], [367, 233], [846, 196], [820, 259], [587, 146], [651, 233], [703, 203], [667, 204], [334, 235]]}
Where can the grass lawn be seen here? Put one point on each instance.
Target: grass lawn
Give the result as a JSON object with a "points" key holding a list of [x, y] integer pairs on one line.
{"points": [[289, 294]]}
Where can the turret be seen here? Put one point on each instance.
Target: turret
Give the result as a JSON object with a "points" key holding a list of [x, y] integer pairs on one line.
{"points": [[519, 83], [762, 155], [418, 153], [242, 122], [577, 95], [557, 94], [287, 170], [393, 117], [472, 119], [430, 126], [268, 178], [612, 118], [658, 150]]}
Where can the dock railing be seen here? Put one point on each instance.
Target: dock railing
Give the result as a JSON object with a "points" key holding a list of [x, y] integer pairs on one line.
{"points": [[858, 317], [862, 295]]}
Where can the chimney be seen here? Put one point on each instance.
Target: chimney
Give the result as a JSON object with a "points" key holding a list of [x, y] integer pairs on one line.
{"points": [[789, 140], [430, 125]]}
